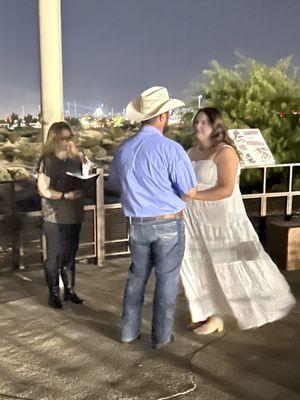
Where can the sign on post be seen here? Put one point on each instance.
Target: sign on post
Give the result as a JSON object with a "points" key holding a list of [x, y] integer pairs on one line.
{"points": [[252, 146]]}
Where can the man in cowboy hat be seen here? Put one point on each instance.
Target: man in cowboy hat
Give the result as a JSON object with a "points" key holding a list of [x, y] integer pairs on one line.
{"points": [[152, 173]]}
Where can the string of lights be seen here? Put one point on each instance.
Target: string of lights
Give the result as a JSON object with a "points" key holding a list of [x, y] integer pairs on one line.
{"points": [[283, 114]]}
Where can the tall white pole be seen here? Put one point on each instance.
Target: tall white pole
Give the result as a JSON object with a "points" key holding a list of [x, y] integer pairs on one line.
{"points": [[199, 100], [51, 63]]}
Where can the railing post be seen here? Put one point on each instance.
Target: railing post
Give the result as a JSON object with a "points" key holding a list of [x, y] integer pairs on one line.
{"points": [[15, 228], [100, 219], [43, 245], [289, 200], [263, 200]]}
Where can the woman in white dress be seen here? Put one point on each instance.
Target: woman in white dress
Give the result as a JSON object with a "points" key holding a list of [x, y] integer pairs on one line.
{"points": [[225, 269]]}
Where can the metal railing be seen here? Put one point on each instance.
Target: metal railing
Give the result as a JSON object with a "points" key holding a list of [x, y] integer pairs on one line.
{"points": [[287, 196], [116, 231], [105, 230]]}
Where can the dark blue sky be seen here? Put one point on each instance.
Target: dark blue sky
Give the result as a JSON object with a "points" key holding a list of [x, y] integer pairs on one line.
{"points": [[113, 49]]}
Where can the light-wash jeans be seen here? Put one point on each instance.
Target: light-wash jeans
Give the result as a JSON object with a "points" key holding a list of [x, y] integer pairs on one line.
{"points": [[158, 244]]}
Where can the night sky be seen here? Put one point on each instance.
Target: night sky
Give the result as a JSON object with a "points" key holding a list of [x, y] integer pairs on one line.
{"points": [[113, 49]]}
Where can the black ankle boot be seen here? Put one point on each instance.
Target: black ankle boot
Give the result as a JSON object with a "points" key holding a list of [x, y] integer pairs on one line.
{"points": [[70, 295], [55, 301]]}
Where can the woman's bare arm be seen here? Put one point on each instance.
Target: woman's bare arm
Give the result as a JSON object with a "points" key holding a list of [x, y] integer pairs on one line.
{"points": [[227, 163]]}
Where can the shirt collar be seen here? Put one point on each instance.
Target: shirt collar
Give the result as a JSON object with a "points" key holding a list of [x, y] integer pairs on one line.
{"points": [[150, 129]]}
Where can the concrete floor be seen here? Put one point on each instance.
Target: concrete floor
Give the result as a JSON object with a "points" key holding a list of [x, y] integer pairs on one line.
{"points": [[74, 353]]}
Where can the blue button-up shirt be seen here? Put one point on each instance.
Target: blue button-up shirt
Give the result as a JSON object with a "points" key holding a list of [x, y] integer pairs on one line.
{"points": [[151, 172]]}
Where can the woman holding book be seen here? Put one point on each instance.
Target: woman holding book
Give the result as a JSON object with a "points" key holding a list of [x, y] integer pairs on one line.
{"points": [[62, 210]]}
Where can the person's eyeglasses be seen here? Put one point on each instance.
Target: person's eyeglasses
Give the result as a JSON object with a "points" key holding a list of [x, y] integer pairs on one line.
{"points": [[67, 138]]}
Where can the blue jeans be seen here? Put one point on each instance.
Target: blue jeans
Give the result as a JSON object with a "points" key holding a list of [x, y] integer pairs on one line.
{"points": [[158, 244]]}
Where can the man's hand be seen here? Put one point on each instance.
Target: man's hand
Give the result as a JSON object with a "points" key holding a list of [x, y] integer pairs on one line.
{"points": [[189, 195]]}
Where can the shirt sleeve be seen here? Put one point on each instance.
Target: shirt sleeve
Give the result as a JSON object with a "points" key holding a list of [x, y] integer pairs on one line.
{"points": [[43, 166], [113, 183], [181, 171]]}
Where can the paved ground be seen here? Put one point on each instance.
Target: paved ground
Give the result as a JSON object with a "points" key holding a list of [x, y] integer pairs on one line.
{"points": [[74, 353]]}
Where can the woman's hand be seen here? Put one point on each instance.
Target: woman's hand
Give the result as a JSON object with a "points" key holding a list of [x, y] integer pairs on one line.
{"points": [[86, 164], [186, 198], [43, 184], [84, 159], [75, 194], [189, 195]]}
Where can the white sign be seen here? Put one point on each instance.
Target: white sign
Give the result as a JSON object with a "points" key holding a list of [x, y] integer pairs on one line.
{"points": [[252, 147]]}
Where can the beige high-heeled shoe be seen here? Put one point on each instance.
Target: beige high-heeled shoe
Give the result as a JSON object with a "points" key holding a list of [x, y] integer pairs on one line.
{"points": [[214, 324], [194, 325]]}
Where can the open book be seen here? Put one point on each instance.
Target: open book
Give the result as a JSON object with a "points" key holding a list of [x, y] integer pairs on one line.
{"points": [[80, 176]]}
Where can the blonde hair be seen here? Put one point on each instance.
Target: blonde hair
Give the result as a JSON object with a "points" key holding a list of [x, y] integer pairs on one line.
{"points": [[51, 145]]}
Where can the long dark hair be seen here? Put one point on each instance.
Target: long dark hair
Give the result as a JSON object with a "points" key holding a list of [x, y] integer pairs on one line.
{"points": [[219, 129]]}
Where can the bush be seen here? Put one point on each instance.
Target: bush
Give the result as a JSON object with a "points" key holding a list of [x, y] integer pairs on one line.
{"points": [[4, 174], [18, 173], [28, 152]]}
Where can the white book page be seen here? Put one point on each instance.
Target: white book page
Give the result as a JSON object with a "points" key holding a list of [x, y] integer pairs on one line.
{"points": [[80, 176]]}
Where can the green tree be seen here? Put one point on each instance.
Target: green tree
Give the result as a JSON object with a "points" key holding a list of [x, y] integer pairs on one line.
{"points": [[74, 123], [14, 117], [28, 119]]}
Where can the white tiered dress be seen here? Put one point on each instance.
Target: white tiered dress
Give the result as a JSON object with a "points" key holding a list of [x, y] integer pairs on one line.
{"points": [[225, 269]]}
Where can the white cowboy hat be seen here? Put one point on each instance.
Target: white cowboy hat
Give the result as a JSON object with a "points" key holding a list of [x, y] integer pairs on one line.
{"points": [[151, 103]]}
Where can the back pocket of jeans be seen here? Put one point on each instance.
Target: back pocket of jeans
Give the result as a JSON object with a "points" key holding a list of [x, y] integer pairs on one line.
{"points": [[167, 231]]}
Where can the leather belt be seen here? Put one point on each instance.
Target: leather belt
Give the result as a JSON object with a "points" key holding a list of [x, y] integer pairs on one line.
{"points": [[157, 218]]}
